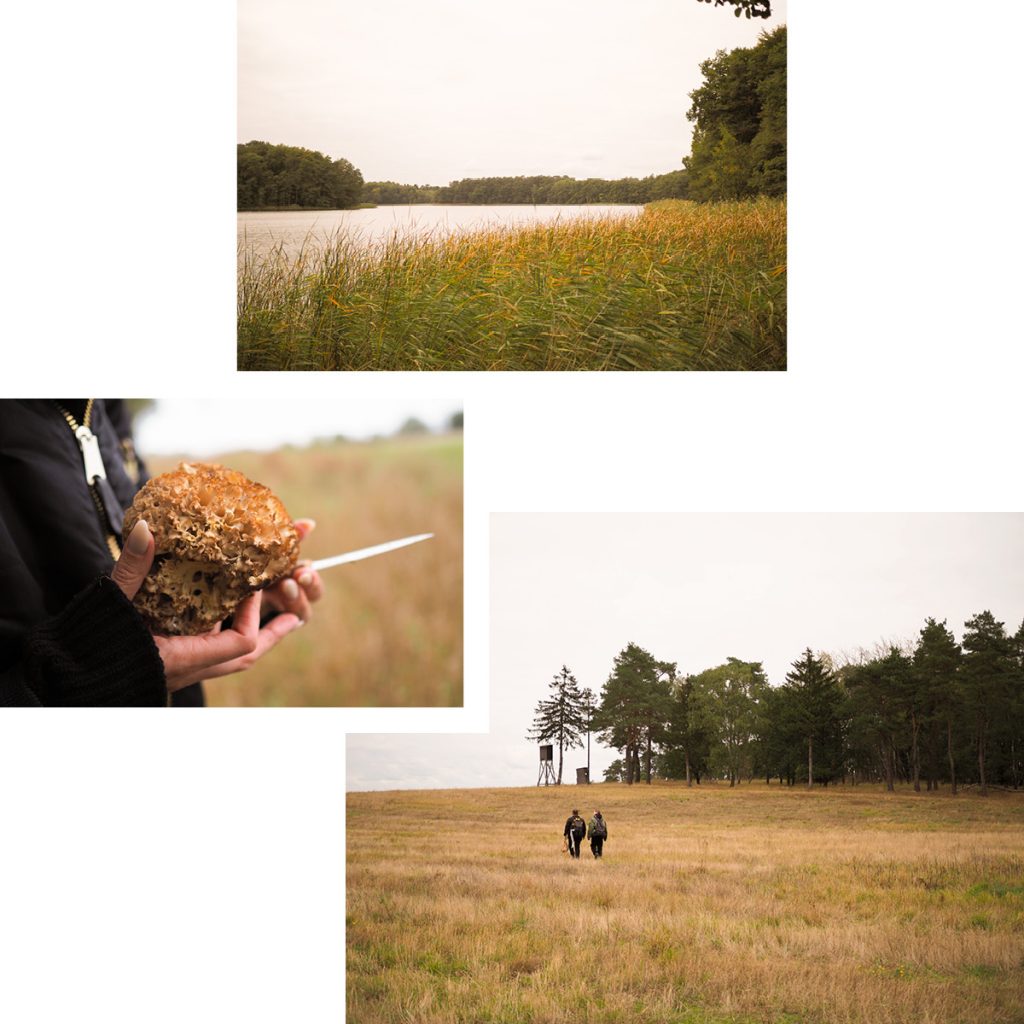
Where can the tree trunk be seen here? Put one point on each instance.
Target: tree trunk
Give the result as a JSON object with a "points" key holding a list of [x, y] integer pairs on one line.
{"points": [[949, 751], [914, 752], [650, 757], [888, 758], [981, 764], [810, 762], [560, 742], [689, 780]]}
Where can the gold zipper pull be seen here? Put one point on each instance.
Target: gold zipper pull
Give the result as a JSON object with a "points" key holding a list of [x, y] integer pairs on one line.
{"points": [[90, 446]]}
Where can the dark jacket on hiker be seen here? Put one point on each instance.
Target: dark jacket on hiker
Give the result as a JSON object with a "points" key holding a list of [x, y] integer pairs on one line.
{"points": [[597, 833], [575, 832], [68, 635]]}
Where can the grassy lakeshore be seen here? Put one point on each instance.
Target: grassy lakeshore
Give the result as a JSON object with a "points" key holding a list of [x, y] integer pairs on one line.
{"points": [[681, 287], [711, 906]]}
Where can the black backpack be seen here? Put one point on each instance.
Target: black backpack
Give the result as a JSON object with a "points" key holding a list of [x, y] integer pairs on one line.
{"points": [[578, 826], [599, 829]]}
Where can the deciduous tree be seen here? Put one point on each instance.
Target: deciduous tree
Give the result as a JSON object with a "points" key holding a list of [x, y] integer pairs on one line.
{"points": [[751, 8]]}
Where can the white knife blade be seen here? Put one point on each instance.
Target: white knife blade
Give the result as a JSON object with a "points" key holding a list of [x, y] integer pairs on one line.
{"points": [[377, 549]]}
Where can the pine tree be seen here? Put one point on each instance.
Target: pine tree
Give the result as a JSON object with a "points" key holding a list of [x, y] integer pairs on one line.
{"points": [[988, 673], [562, 718], [936, 668], [815, 703], [1017, 709]]}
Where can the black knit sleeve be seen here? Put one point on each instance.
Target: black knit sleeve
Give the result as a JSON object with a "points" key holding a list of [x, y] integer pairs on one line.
{"points": [[96, 652]]}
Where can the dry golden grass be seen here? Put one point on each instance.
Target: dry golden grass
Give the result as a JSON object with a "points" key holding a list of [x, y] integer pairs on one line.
{"points": [[711, 905], [388, 631]]}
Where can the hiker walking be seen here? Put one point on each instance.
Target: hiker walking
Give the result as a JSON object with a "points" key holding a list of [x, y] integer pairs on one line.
{"points": [[597, 833], [575, 832]]}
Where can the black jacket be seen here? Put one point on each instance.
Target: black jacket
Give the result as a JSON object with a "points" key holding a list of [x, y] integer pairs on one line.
{"points": [[67, 634], [576, 825]]}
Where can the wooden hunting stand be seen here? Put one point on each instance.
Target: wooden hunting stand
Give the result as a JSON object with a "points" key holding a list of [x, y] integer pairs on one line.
{"points": [[547, 766]]}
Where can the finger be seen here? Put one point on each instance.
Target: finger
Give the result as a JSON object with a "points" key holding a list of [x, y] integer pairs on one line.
{"points": [[136, 559], [185, 656], [192, 657], [309, 579], [290, 597], [246, 619], [304, 527], [268, 638], [285, 596]]}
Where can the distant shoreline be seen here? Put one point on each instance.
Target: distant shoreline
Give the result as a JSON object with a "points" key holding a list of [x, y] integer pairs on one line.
{"points": [[374, 206]]}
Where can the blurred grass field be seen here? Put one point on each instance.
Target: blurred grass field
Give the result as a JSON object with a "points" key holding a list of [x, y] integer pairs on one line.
{"points": [[388, 631], [711, 905]]}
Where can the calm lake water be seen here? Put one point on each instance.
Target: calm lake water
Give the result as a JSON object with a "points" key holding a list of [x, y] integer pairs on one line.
{"points": [[262, 231]]}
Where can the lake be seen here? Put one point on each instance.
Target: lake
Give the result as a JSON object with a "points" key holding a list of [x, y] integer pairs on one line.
{"points": [[262, 231]]}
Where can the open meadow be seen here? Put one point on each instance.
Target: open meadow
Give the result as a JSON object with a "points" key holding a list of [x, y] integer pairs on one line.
{"points": [[711, 906], [682, 286], [388, 631]]}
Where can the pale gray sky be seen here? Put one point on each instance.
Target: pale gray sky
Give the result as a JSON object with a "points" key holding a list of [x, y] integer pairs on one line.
{"points": [[697, 589], [202, 427], [428, 92]]}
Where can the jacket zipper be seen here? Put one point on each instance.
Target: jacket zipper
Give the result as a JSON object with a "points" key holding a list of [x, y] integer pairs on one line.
{"points": [[90, 446]]}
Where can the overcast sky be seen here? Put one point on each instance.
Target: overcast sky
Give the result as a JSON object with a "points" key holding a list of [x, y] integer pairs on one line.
{"points": [[201, 427], [697, 589], [429, 92]]}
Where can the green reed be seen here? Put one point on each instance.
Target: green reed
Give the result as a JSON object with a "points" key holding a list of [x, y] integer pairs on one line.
{"points": [[682, 286]]}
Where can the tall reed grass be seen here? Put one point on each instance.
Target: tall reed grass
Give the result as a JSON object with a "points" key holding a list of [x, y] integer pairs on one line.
{"points": [[682, 286]]}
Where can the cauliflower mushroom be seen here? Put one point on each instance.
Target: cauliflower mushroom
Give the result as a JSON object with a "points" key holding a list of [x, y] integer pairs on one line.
{"points": [[219, 537]]}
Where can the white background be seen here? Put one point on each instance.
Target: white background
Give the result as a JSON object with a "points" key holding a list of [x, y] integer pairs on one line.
{"points": [[166, 867]]}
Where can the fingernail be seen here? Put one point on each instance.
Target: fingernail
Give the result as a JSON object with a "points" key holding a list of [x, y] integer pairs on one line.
{"points": [[138, 539], [305, 579], [290, 590]]}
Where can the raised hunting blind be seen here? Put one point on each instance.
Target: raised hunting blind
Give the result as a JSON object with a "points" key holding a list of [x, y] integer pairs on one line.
{"points": [[546, 775]]}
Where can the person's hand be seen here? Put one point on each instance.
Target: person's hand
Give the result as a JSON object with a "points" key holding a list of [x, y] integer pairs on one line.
{"points": [[190, 659], [297, 593]]}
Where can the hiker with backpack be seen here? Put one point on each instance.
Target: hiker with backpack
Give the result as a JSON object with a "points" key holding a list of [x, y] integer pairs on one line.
{"points": [[575, 832], [597, 833]]}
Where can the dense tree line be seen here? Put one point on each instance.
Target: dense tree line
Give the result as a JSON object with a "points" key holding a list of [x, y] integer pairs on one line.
{"points": [[532, 190], [271, 176], [739, 119], [540, 189], [390, 193], [929, 713]]}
